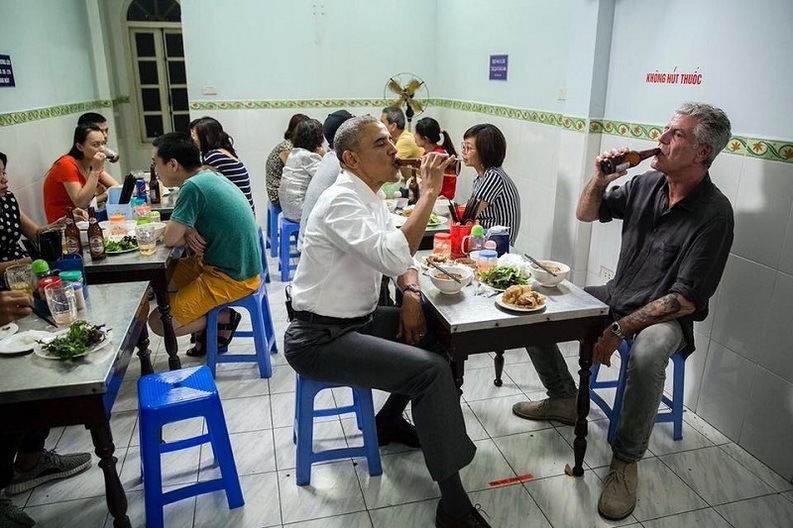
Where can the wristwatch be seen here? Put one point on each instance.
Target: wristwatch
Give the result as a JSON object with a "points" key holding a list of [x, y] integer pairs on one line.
{"points": [[413, 288], [616, 330]]}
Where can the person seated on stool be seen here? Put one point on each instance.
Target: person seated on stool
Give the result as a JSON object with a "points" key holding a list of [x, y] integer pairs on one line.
{"points": [[338, 333], [213, 218], [676, 235]]}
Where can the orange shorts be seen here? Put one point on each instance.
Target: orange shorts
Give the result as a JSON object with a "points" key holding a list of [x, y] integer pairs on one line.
{"points": [[201, 287]]}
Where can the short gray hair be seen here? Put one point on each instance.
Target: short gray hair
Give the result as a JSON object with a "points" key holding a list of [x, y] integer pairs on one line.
{"points": [[395, 115], [713, 127], [348, 136]]}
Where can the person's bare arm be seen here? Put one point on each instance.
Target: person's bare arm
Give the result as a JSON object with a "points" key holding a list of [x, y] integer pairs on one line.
{"points": [[432, 167], [589, 203]]}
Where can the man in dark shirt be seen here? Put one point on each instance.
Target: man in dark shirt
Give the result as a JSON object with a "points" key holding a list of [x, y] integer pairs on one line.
{"points": [[676, 235]]}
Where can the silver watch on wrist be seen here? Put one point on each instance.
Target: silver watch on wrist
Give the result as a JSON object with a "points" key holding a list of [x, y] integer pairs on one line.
{"points": [[412, 288], [616, 330]]}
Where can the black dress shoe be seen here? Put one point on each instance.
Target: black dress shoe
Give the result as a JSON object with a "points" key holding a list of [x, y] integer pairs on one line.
{"points": [[474, 519], [400, 431]]}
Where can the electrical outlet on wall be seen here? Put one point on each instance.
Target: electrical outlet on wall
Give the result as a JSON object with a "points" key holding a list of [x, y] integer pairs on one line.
{"points": [[606, 274]]}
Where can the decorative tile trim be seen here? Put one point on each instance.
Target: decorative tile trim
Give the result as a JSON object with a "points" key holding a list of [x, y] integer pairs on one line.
{"points": [[288, 104], [26, 116]]}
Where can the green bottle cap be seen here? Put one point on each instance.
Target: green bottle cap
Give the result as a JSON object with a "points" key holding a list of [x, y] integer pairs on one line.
{"points": [[39, 266], [478, 230]]}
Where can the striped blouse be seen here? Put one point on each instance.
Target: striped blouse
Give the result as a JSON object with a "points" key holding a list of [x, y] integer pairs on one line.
{"points": [[232, 169], [497, 189]]}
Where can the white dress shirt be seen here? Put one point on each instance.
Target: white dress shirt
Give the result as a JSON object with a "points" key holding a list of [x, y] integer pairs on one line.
{"points": [[350, 241]]}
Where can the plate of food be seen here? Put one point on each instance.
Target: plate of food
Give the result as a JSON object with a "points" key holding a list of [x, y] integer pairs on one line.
{"points": [[125, 244], [23, 342], [8, 330], [402, 217], [80, 339], [521, 298], [502, 277]]}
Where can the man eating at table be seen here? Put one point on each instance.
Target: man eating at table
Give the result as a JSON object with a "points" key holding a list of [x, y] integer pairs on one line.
{"points": [[676, 235], [213, 218], [338, 333]]}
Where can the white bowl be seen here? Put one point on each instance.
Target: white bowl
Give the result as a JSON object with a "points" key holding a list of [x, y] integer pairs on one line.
{"points": [[128, 224], [447, 285], [441, 207], [545, 278]]}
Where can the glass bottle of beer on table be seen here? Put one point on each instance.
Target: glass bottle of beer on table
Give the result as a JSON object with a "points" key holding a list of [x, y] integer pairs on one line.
{"points": [[72, 235], [96, 239]]}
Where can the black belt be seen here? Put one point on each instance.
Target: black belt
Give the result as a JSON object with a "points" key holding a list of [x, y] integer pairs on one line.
{"points": [[310, 317]]}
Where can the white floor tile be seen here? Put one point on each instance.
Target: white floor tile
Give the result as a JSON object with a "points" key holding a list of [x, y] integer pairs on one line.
{"points": [[334, 490], [328, 434], [706, 518], [496, 416], [663, 443], [350, 520], [70, 514], [261, 506], [539, 453], [488, 466], [598, 451], [478, 385], [178, 513], [761, 512], [405, 478], [758, 468], [253, 453]]}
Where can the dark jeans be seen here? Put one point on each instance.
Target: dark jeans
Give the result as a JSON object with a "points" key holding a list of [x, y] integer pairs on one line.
{"points": [[368, 355]]}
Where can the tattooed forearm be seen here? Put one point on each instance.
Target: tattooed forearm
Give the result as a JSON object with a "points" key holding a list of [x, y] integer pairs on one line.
{"points": [[666, 308]]}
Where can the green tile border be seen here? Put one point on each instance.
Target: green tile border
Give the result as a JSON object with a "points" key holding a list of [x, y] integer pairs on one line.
{"points": [[759, 148]]}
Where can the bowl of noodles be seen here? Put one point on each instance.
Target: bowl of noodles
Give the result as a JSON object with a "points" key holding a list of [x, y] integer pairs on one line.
{"points": [[546, 279]]}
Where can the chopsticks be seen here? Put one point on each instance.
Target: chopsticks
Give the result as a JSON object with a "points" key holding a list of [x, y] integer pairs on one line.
{"points": [[470, 213], [44, 316], [539, 265], [444, 271], [453, 211]]}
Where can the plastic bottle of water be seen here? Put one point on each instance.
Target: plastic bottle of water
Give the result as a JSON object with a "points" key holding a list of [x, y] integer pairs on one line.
{"points": [[476, 240]]}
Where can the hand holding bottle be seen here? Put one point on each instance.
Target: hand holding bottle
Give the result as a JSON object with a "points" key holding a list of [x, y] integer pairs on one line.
{"points": [[433, 166]]}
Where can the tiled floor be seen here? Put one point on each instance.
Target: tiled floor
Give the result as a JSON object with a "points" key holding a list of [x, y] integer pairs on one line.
{"points": [[703, 480]]}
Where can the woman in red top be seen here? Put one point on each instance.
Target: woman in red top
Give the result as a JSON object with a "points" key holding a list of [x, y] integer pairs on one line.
{"points": [[428, 135], [78, 177]]}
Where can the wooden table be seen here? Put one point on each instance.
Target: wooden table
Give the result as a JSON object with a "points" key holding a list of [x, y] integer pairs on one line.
{"points": [[37, 393], [131, 267], [474, 324]]}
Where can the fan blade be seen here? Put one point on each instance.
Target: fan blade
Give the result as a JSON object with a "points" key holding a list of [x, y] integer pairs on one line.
{"points": [[398, 102], [394, 86], [417, 106], [414, 85]]}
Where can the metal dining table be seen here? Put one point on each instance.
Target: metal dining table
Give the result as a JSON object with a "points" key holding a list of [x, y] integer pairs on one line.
{"points": [[154, 269], [473, 324], [37, 393], [166, 205]]}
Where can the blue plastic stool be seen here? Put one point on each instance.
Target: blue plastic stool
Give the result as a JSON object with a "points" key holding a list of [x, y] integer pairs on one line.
{"points": [[288, 230], [258, 306], [170, 397], [273, 212], [303, 432], [263, 247], [675, 412]]}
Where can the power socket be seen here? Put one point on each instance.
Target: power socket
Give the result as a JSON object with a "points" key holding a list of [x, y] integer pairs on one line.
{"points": [[606, 274]]}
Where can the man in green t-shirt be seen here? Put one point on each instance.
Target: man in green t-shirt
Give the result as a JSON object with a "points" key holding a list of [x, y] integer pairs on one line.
{"points": [[212, 217]]}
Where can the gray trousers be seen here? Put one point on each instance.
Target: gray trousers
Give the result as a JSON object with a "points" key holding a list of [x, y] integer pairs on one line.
{"points": [[650, 353], [368, 355]]}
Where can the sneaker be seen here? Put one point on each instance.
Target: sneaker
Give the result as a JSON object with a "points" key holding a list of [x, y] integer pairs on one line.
{"points": [[51, 466], [562, 410], [619, 492], [474, 518], [11, 516]]}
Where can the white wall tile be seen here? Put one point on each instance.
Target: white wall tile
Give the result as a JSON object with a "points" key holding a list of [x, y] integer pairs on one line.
{"points": [[725, 172], [695, 369], [774, 352], [786, 262], [726, 384], [743, 306], [762, 210], [767, 431]]}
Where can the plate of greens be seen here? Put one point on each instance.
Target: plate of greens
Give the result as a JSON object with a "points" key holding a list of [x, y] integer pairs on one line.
{"points": [[80, 339], [502, 277], [121, 245]]}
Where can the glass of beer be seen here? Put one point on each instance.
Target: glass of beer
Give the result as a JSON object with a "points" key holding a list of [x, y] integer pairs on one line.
{"points": [[62, 303], [20, 277], [147, 239]]}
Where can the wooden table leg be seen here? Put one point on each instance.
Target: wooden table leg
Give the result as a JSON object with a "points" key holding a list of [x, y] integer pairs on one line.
{"points": [[458, 370], [114, 492], [582, 405], [144, 352], [498, 363], [160, 285]]}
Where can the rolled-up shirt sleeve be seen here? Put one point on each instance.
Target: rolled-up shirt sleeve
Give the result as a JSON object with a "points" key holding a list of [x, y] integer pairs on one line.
{"points": [[614, 202], [353, 228]]}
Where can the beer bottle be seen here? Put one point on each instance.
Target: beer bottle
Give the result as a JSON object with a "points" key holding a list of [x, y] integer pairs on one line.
{"points": [[626, 161], [96, 240], [72, 234], [154, 186]]}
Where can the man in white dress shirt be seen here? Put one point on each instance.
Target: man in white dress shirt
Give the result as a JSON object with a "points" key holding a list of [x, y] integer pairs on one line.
{"points": [[340, 335]]}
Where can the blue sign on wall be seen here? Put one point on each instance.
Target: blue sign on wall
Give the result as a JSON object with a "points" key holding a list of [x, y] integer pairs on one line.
{"points": [[498, 67], [6, 72]]}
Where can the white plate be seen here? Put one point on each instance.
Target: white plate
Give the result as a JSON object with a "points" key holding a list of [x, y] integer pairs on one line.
{"points": [[82, 225], [120, 252], [37, 347], [8, 330], [22, 342], [516, 308], [400, 220]]}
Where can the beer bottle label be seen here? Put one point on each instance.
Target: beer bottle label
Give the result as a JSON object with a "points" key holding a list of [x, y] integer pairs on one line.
{"points": [[72, 245], [97, 244]]}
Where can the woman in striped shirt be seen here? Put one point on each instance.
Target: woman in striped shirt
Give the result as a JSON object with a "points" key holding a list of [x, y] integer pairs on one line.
{"points": [[217, 150], [484, 149]]}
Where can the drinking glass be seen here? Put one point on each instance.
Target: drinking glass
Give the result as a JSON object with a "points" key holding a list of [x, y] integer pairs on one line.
{"points": [[62, 303], [147, 239], [20, 277]]}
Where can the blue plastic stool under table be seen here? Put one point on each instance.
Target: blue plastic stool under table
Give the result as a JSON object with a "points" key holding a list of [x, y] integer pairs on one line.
{"points": [[303, 432], [288, 231], [170, 397], [675, 412], [273, 212]]}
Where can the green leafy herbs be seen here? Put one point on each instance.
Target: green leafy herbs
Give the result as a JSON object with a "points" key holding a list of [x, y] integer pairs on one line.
{"points": [[434, 220], [77, 341], [502, 277], [124, 244]]}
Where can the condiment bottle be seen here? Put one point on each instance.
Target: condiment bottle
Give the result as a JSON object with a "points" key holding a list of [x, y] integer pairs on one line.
{"points": [[96, 239], [626, 161], [72, 234], [75, 278], [442, 244], [488, 259]]}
